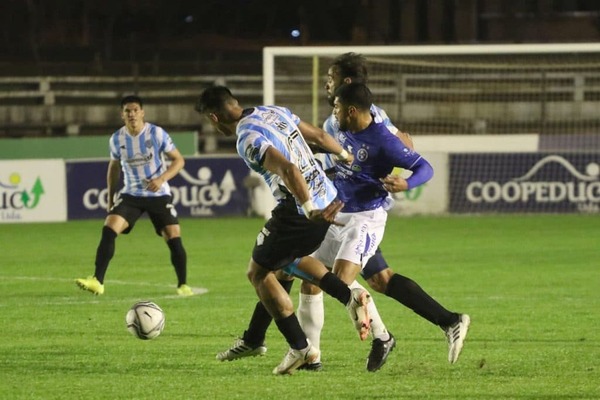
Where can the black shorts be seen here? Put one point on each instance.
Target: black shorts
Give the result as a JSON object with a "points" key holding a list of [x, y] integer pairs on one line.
{"points": [[287, 236], [160, 210]]}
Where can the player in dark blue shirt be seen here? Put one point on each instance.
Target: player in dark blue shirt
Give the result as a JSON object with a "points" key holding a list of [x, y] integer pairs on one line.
{"points": [[348, 68]]}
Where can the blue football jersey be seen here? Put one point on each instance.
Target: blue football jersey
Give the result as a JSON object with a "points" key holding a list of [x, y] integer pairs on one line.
{"points": [[142, 158], [265, 126], [376, 152], [332, 126]]}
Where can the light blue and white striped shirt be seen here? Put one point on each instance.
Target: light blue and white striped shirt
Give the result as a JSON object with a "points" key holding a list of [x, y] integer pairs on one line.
{"points": [[265, 126], [142, 158]]}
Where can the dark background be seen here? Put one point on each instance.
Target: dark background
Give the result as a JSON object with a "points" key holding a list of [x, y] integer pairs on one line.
{"points": [[34, 33]]}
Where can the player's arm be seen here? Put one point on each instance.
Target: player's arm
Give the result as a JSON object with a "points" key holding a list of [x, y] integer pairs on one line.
{"points": [[325, 141], [177, 163], [113, 175], [401, 157], [422, 172], [291, 176]]}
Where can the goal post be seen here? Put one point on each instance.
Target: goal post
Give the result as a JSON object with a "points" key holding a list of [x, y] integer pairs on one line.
{"points": [[439, 89]]}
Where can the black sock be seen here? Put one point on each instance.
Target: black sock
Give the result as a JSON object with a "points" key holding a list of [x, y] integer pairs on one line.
{"points": [[104, 252], [293, 333], [334, 286], [410, 294], [260, 321], [178, 259]]}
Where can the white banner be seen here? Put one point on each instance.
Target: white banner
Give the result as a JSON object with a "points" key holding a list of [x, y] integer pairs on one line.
{"points": [[32, 191]]}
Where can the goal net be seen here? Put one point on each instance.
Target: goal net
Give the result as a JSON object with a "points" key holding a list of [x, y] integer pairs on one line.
{"points": [[457, 95], [453, 89]]}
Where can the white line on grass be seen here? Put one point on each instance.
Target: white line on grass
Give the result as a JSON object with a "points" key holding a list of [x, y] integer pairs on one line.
{"points": [[68, 300]]}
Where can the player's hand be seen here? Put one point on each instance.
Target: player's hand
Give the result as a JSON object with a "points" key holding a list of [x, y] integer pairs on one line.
{"points": [[328, 213], [349, 160], [345, 157], [155, 184], [394, 183]]}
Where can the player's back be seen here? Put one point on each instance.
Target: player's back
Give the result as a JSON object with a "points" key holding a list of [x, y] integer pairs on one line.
{"points": [[265, 126]]}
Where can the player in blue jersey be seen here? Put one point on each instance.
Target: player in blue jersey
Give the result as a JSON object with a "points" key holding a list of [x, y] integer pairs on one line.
{"points": [[272, 141], [138, 149], [346, 249], [348, 68]]}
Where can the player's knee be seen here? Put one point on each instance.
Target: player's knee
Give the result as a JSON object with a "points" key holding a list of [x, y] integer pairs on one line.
{"points": [[309, 288], [255, 273], [171, 232], [379, 281], [282, 276]]}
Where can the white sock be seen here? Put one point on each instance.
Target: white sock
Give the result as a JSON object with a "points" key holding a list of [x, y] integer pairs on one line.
{"points": [[311, 315], [378, 329]]}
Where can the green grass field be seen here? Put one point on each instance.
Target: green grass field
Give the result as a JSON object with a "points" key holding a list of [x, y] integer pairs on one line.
{"points": [[530, 283]]}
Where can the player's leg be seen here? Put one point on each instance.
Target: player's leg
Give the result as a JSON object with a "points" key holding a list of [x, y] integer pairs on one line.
{"points": [[121, 219], [279, 305], [311, 314], [172, 236], [268, 250], [364, 233], [252, 342], [356, 300], [164, 219], [408, 293]]}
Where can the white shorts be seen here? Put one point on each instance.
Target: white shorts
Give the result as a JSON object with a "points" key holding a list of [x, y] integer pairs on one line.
{"points": [[356, 241]]}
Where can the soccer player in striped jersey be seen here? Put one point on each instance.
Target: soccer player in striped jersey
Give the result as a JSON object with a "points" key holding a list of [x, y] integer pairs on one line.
{"points": [[272, 141], [138, 149]]}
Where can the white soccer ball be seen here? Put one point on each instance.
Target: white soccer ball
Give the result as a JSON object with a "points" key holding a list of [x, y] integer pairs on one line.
{"points": [[145, 320]]}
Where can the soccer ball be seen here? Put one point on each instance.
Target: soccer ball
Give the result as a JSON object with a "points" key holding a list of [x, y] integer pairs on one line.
{"points": [[145, 320]]}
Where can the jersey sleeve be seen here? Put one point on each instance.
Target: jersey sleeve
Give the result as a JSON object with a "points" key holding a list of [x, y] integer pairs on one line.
{"points": [[252, 146], [398, 154], [166, 142], [403, 157], [113, 146]]}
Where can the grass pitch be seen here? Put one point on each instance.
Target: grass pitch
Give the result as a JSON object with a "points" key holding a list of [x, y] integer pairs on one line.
{"points": [[530, 284]]}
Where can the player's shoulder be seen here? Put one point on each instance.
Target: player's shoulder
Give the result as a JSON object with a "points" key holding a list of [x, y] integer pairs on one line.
{"points": [[154, 129], [262, 111], [381, 128], [378, 111]]}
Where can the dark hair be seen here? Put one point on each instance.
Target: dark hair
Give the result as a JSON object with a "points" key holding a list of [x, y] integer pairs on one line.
{"points": [[132, 99], [355, 94], [213, 99], [352, 65]]}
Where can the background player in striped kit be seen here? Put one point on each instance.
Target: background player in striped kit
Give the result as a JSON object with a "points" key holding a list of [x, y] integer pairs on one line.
{"points": [[139, 149]]}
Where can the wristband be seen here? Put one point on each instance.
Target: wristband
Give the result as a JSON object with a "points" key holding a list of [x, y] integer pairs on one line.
{"points": [[343, 156], [307, 207]]}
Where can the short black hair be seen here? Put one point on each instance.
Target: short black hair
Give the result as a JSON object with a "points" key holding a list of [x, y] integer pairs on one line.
{"points": [[132, 99], [355, 94], [213, 99], [352, 65]]}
